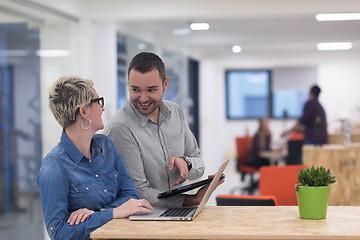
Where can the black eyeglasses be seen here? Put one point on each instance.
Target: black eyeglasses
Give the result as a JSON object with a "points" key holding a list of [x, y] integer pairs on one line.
{"points": [[99, 100]]}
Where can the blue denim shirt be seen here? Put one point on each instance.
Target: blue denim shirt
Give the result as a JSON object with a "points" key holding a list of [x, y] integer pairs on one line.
{"points": [[68, 181]]}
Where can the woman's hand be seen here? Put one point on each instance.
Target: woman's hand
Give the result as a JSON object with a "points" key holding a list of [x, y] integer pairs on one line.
{"points": [[131, 207], [79, 216]]}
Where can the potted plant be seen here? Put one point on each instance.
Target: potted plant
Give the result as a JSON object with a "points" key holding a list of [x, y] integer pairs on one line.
{"points": [[312, 192]]}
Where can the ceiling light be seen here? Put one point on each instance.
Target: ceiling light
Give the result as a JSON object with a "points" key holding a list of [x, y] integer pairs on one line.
{"points": [[199, 26], [53, 53], [141, 46], [334, 46], [181, 31], [236, 49], [338, 16]]}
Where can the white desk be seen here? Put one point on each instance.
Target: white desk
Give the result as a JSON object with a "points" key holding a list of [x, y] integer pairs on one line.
{"points": [[275, 157]]}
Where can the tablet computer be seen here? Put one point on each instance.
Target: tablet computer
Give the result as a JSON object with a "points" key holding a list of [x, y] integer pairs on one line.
{"points": [[186, 188]]}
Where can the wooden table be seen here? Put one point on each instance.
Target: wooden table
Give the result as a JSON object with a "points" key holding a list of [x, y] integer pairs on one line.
{"points": [[339, 138], [245, 222], [344, 163]]}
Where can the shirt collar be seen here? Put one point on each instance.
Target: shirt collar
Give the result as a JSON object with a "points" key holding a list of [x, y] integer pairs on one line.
{"points": [[74, 152], [164, 113]]}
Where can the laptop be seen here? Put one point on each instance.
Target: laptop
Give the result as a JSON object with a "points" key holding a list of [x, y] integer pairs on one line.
{"points": [[182, 213]]}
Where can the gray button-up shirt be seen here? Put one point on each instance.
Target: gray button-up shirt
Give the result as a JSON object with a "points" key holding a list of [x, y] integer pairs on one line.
{"points": [[146, 146]]}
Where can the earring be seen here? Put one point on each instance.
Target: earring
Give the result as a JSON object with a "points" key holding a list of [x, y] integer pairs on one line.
{"points": [[83, 125]]}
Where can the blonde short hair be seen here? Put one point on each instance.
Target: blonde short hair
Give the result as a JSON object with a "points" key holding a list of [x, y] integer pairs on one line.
{"points": [[66, 96]]}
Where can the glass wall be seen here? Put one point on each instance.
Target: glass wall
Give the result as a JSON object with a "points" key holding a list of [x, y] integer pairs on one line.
{"points": [[37, 46]]}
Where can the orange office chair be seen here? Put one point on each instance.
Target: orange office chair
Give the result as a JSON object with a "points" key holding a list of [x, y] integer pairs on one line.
{"points": [[239, 200], [242, 149], [280, 181]]}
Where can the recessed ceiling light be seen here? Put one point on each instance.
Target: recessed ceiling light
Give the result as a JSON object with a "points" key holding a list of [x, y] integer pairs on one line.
{"points": [[199, 26], [338, 16], [334, 46], [141, 46], [236, 49], [181, 31]]}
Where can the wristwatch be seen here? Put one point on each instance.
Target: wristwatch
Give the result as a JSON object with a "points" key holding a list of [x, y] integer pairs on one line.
{"points": [[188, 162]]}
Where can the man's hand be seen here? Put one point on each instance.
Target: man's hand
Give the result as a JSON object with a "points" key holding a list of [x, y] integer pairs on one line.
{"points": [[182, 166], [191, 200]]}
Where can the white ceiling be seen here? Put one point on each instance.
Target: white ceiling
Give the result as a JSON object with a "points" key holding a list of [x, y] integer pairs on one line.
{"points": [[263, 28]]}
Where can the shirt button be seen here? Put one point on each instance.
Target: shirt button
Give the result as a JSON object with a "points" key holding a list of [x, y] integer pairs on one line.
{"points": [[52, 228], [96, 175], [105, 190], [115, 175], [89, 160], [87, 188]]}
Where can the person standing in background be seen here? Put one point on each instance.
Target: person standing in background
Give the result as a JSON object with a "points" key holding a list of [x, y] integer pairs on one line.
{"points": [[313, 120], [83, 182], [153, 136]]}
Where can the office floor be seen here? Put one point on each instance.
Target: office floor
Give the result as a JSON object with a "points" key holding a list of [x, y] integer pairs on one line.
{"points": [[29, 224], [25, 224]]}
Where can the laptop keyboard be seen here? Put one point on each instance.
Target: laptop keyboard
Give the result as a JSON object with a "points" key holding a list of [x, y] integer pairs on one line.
{"points": [[177, 212]]}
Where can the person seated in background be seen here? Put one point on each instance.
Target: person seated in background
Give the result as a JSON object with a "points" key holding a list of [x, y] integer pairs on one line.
{"points": [[83, 182], [260, 142]]}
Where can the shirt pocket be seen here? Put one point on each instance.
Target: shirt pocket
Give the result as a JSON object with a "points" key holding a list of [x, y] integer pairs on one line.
{"points": [[82, 194], [112, 180]]}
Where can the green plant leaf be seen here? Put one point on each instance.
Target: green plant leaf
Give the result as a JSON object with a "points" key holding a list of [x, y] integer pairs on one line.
{"points": [[315, 176]]}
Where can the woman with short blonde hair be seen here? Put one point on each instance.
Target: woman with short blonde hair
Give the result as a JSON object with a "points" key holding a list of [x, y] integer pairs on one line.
{"points": [[83, 182]]}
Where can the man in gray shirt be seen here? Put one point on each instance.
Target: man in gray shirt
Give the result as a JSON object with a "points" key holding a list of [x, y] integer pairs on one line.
{"points": [[153, 137]]}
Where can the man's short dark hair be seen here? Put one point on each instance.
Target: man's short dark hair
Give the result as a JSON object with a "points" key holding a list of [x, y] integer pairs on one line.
{"points": [[315, 90], [145, 62]]}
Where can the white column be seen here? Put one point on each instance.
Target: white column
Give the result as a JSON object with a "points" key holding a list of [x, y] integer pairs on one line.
{"points": [[99, 60]]}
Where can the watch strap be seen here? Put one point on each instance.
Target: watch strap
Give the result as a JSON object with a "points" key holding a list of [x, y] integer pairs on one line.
{"points": [[188, 162]]}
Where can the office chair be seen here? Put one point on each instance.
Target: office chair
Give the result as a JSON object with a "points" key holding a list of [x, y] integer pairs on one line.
{"points": [[242, 149], [239, 200], [294, 156], [279, 181], [294, 146]]}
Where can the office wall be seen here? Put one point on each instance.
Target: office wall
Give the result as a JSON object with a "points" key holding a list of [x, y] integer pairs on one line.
{"points": [[340, 94]]}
